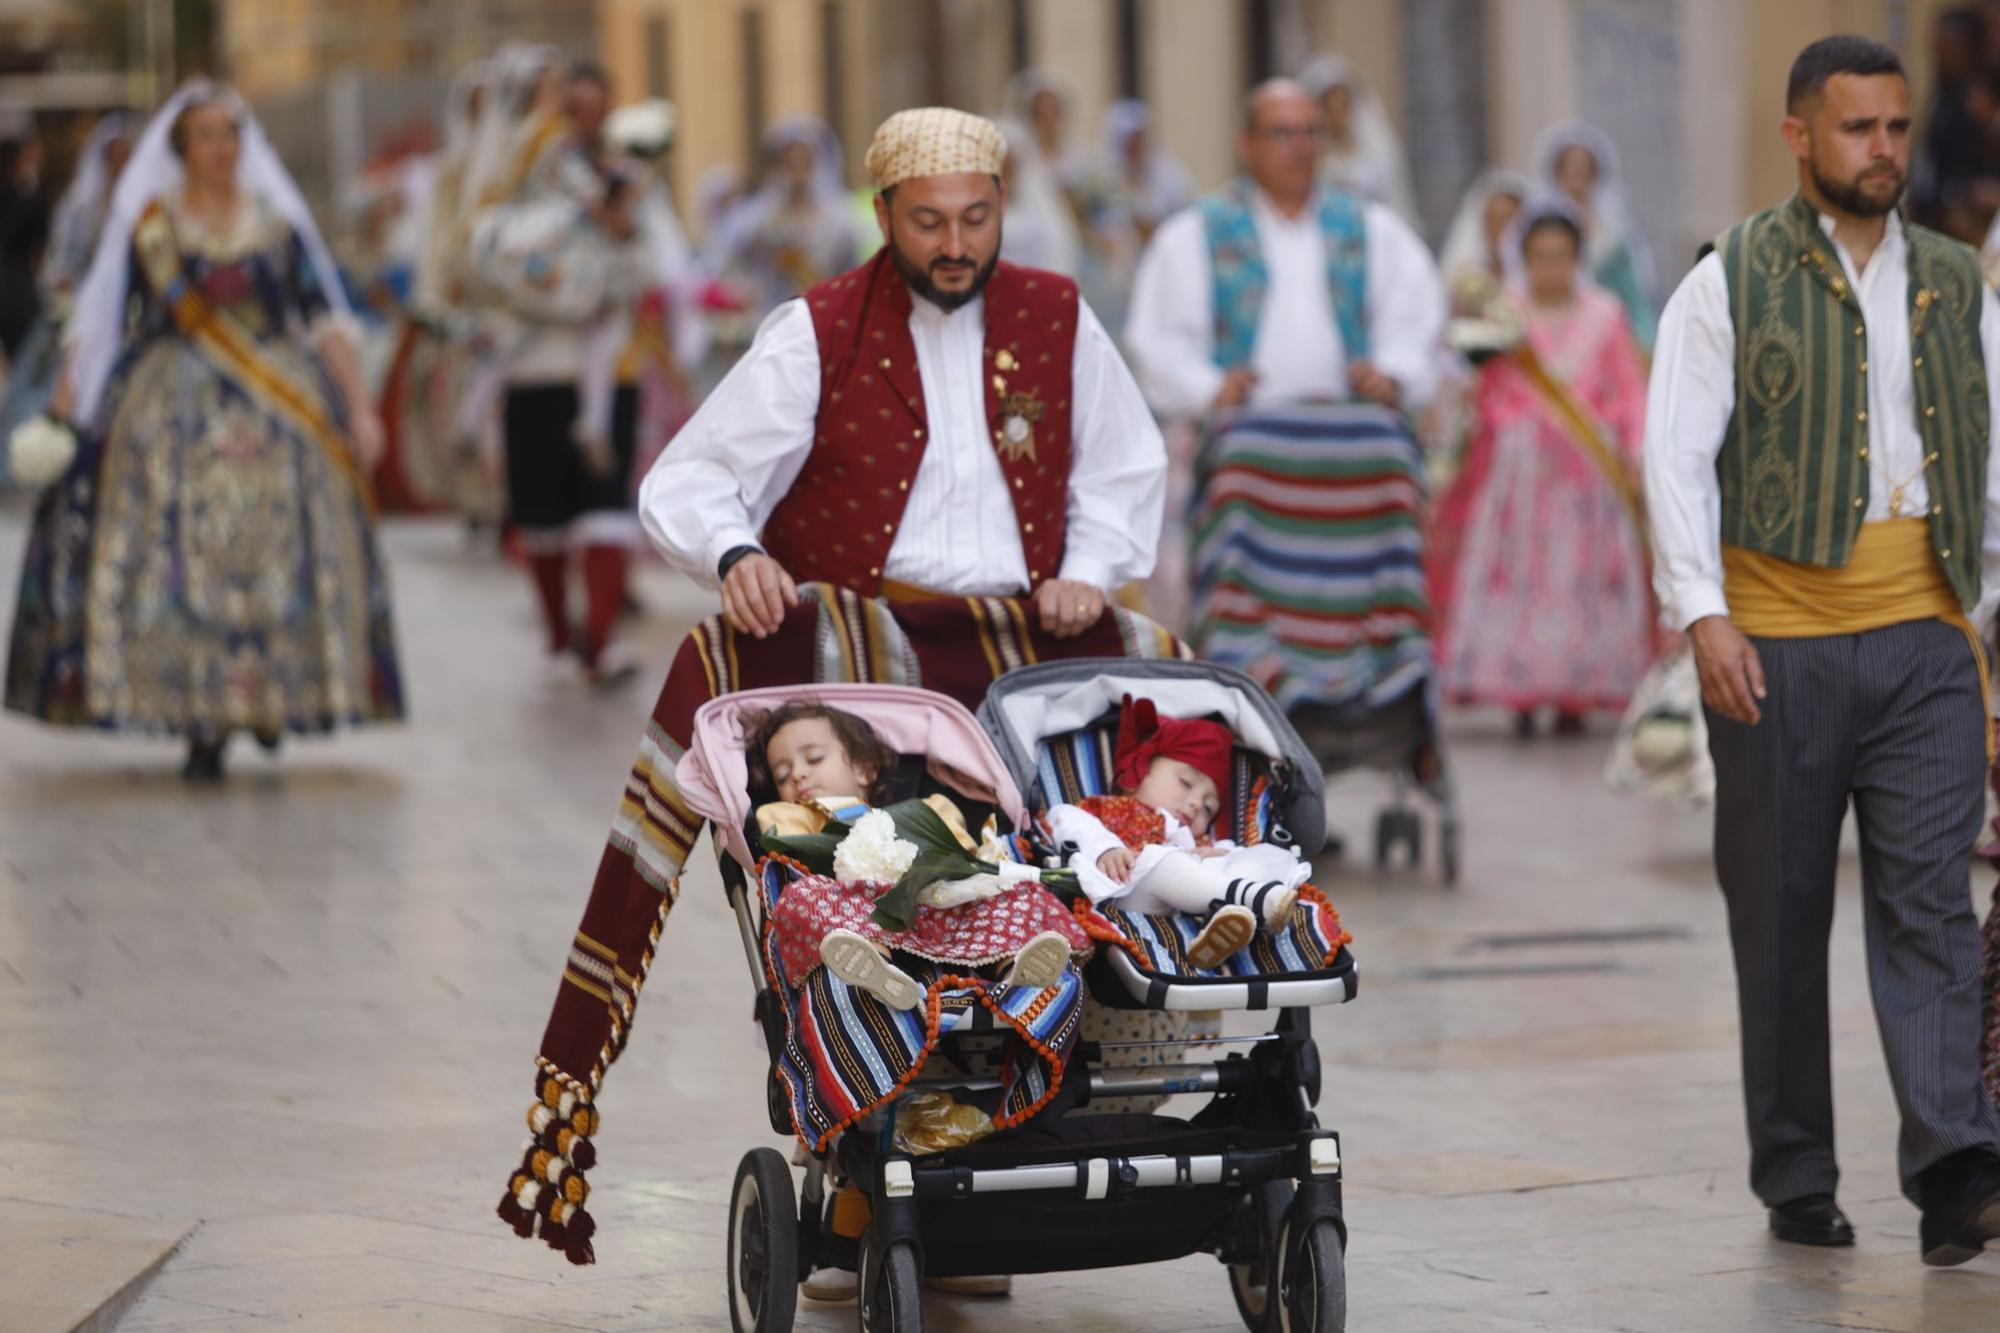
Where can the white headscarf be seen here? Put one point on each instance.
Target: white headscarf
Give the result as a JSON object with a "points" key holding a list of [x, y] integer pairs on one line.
{"points": [[73, 233], [1538, 208], [1039, 229], [1164, 186], [1374, 168], [96, 328], [460, 125], [1608, 224], [829, 169], [1070, 167], [509, 78], [717, 191], [1464, 246], [743, 223], [444, 207]]}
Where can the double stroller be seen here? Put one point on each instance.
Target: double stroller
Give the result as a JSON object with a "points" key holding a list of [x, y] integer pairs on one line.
{"points": [[1252, 1177]]}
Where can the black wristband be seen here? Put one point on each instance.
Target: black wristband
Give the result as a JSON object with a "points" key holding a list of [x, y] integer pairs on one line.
{"points": [[731, 556]]}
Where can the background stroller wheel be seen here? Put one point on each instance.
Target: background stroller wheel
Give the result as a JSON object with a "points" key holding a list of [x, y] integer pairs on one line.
{"points": [[763, 1245], [1448, 850], [1312, 1280], [1398, 827], [892, 1294], [1253, 1282]]}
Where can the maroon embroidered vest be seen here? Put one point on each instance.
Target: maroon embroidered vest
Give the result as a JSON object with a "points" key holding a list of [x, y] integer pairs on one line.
{"points": [[840, 517]]}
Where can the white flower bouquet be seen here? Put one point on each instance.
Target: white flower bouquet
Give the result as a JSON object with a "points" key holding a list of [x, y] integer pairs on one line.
{"points": [[40, 450], [1491, 324], [909, 847]]}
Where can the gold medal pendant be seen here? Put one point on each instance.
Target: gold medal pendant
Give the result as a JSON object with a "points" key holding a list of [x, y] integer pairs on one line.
{"points": [[1017, 439], [1019, 412]]}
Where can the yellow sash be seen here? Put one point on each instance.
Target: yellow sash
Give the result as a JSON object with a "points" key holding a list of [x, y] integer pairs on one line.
{"points": [[1891, 577], [224, 340], [552, 127]]}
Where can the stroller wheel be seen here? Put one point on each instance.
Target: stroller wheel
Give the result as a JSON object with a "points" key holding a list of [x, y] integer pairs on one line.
{"points": [[1448, 849], [1397, 827], [892, 1291], [1312, 1280], [1253, 1282], [763, 1245]]}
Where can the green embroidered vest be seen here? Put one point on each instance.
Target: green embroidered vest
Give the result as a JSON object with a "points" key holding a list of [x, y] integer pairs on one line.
{"points": [[1794, 463]]}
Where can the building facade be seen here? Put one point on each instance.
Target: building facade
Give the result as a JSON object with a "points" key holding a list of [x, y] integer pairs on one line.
{"points": [[1690, 90]]}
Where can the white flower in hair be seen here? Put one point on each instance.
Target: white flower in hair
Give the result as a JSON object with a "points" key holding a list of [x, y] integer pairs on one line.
{"points": [[40, 450], [872, 853]]}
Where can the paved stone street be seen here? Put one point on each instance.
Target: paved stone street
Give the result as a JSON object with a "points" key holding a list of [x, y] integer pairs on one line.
{"points": [[292, 1021]]}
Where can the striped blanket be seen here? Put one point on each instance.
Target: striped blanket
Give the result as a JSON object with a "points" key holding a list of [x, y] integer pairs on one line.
{"points": [[846, 1053], [1308, 554], [956, 647]]}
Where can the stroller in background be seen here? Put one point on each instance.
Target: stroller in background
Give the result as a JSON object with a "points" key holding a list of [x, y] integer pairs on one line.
{"points": [[1308, 561], [1251, 1177]]}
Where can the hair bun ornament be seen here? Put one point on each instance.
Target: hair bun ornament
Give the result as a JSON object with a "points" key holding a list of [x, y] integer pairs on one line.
{"points": [[1143, 736], [1138, 722]]}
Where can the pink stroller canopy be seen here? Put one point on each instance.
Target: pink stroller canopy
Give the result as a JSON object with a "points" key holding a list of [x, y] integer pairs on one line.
{"points": [[714, 775]]}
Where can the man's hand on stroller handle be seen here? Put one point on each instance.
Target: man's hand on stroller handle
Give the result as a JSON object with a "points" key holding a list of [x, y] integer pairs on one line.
{"points": [[756, 593], [1068, 607]]}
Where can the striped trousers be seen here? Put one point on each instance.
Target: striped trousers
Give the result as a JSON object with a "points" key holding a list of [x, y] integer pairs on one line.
{"points": [[1891, 720]]}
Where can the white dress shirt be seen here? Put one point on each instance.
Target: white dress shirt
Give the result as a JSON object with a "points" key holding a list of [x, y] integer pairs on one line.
{"points": [[716, 484], [1693, 394], [1298, 355]]}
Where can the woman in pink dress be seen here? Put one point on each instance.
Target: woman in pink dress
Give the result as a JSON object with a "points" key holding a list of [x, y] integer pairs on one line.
{"points": [[1538, 567]]}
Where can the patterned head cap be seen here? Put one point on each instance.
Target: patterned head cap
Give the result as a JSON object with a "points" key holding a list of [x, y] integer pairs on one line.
{"points": [[934, 141]]}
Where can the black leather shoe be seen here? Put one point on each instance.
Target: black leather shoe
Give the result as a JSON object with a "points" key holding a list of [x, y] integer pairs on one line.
{"points": [[1961, 1208], [204, 761], [1812, 1219]]}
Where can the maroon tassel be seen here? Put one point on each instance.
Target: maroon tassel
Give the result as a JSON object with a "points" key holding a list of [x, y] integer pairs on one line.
{"points": [[552, 1195], [514, 1215], [581, 1228]]}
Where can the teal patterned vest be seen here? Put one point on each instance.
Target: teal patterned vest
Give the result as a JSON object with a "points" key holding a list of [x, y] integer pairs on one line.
{"points": [[1236, 259]]}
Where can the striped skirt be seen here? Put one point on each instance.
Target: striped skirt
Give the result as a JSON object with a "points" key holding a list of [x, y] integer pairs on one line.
{"points": [[1308, 554]]}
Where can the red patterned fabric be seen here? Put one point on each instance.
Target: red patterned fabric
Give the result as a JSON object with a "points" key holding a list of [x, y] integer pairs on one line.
{"points": [[839, 519], [972, 935], [1134, 823], [1143, 736]]}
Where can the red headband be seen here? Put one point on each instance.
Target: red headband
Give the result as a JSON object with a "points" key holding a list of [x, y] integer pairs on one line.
{"points": [[1143, 736]]}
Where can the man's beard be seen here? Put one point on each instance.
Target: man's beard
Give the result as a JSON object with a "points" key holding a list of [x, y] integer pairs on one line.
{"points": [[920, 279], [1851, 198]]}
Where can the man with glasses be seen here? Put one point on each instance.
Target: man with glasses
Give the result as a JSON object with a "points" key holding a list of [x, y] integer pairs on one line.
{"points": [[1297, 323]]}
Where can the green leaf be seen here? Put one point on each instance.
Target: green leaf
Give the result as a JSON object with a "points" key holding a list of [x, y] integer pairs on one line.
{"points": [[895, 909], [918, 823], [812, 850]]}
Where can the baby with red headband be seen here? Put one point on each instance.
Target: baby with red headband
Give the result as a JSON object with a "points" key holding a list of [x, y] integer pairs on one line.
{"points": [[1148, 848]]}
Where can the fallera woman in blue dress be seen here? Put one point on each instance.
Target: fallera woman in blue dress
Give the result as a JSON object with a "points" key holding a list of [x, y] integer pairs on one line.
{"points": [[207, 563]]}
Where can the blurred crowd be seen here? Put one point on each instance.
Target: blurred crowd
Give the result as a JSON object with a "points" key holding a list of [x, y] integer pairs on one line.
{"points": [[487, 321]]}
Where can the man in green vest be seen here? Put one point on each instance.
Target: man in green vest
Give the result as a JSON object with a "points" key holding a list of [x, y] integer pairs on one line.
{"points": [[1818, 435]]}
